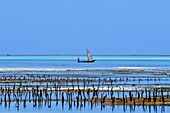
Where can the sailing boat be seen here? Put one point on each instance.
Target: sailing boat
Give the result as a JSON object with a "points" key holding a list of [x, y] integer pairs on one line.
{"points": [[90, 58]]}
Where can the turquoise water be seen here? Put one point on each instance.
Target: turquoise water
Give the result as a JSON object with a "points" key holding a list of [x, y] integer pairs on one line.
{"points": [[149, 62]]}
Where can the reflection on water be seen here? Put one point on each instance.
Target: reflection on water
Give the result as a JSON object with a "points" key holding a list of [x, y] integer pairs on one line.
{"points": [[75, 92], [143, 85], [44, 107]]}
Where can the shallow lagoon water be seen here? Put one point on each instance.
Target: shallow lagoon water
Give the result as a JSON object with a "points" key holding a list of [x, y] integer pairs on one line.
{"points": [[87, 109], [102, 63]]}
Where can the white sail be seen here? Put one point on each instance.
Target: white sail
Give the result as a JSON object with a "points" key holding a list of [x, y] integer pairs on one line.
{"points": [[89, 55]]}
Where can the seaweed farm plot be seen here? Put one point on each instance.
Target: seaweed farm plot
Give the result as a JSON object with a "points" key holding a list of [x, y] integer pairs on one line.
{"points": [[109, 90]]}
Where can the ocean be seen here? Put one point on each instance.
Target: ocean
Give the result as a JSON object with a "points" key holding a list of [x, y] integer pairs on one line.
{"points": [[128, 72], [105, 62]]}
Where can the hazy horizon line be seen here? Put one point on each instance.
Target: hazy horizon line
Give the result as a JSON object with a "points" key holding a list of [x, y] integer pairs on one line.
{"points": [[84, 54]]}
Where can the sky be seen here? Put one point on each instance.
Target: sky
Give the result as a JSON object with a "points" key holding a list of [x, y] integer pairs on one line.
{"points": [[69, 26]]}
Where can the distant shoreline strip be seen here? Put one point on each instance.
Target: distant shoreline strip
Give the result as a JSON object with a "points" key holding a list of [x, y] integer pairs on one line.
{"points": [[84, 55]]}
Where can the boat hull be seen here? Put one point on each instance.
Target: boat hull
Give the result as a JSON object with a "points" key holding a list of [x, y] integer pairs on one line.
{"points": [[86, 61]]}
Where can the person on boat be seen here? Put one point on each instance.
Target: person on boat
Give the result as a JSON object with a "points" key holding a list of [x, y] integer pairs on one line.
{"points": [[78, 59]]}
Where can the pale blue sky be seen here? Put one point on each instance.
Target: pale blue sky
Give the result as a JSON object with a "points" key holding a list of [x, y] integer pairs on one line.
{"points": [[69, 26]]}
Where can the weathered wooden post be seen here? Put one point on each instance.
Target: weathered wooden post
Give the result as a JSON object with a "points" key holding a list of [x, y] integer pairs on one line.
{"points": [[123, 97], [62, 99], [163, 101]]}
